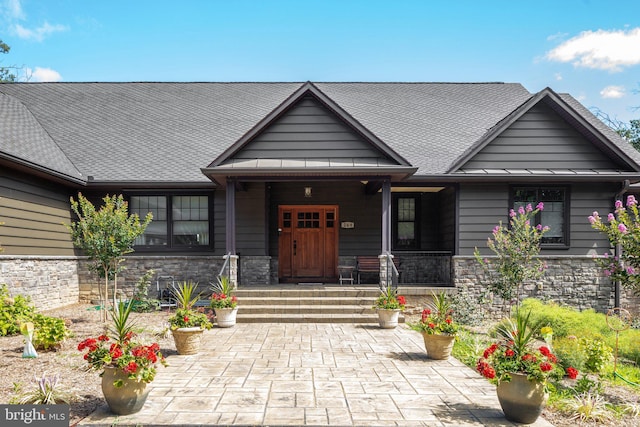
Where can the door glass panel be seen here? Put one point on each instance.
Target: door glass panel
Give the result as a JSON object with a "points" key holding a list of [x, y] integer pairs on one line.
{"points": [[308, 219]]}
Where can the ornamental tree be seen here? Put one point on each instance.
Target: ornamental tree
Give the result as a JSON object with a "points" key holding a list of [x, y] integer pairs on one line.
{"points": [[106, 235], [516, 248], [622, 228]]}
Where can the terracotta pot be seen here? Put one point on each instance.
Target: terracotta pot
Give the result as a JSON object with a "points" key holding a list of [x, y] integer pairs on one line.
{"points": [[438, 347], [388, 318], [187, 340], [226, 317], [521, 400], [124, 400]]}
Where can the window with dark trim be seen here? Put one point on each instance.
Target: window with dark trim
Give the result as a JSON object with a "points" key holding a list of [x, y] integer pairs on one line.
{"points": [[179, 221], [555, 214], [406, 233]]}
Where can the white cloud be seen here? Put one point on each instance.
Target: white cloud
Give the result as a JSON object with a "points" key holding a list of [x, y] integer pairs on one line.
{"points": [[43, 75], [604, 50], [39, 33], [558, 76], [12, 9], [612, 92]]}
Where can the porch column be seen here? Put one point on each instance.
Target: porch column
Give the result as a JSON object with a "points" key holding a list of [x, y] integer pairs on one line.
{"points": [[231, 216], [231, 232], [386, 217]]}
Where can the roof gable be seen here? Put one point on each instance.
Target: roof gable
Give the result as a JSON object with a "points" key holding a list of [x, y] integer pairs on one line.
{"points": [[545, 135], [308, 133]]}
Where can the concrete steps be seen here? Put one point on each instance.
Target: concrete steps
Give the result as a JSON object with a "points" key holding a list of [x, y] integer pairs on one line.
{"points": [[308, 304]]}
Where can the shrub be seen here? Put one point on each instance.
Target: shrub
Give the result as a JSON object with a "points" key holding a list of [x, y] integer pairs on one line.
{"points": [[49, 333], [570, 353], [12, 310]]}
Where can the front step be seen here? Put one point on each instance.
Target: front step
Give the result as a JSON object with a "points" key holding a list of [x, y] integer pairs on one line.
{"points": [[317, 304]]}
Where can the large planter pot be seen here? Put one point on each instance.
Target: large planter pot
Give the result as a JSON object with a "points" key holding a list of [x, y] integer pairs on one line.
{"points": [[226, 317], [187, 340], [438, 347], [124, 400], [521, 400], [388, 318]]}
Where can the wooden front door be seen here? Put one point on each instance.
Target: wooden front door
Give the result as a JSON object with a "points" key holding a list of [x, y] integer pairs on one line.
{"points": [[307, 242]]}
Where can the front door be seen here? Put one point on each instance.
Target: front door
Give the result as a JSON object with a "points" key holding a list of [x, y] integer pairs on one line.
{"points": [[307, 242]]}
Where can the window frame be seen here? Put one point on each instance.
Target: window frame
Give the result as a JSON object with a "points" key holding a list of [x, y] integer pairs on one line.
{"points": [[416, 221], [171, 247], [566, 216]]}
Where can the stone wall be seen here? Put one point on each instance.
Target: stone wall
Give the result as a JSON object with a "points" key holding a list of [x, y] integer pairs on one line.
{"points": [[50, 281], [200, 269], [569, 280]]}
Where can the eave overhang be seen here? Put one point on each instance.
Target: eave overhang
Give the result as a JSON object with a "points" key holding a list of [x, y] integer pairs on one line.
{"points": [[38, 170], [220, 175]]}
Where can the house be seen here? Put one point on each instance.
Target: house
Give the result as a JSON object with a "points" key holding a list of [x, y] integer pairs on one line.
{"points": [[289, 182]]}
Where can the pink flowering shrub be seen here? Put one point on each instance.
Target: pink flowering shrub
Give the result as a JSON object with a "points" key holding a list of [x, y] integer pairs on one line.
{"points": [[622, 227], [516, 248]]}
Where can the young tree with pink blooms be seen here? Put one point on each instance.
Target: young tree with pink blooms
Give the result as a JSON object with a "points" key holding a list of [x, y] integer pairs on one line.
{"points": [[622, 227]]}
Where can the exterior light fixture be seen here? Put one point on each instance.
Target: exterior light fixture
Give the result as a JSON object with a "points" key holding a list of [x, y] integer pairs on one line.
{"points": [[307, 191]]}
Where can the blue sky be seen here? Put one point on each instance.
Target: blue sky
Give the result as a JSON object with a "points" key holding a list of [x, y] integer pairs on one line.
{"points": [[589, 48]]}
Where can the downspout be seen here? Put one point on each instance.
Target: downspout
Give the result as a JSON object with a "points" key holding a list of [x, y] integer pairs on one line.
{"points": [[618, 250]]}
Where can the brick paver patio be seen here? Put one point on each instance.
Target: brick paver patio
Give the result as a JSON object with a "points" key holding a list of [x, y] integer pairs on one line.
{"points": [[306, 374]]}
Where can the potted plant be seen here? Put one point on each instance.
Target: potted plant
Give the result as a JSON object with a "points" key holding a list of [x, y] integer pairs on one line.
{"points": [[520, 369], [388, 306], [188, 324], [224, 303], [127, 366], [437, 327]]}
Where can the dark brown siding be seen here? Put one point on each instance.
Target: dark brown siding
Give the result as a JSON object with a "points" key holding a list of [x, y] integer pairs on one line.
{"points": [[540, 139], [34, 214]]}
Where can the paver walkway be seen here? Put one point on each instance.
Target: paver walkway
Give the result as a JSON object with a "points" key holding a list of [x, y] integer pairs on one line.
{"points": [[314, 375]]}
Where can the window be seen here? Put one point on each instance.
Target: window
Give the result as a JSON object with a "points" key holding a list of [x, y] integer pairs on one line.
{"points": [[406, 223], [554, 215], [180, 221]]}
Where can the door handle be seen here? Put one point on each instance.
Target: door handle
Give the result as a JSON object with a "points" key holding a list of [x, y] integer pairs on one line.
{"points": [[295, 246]]}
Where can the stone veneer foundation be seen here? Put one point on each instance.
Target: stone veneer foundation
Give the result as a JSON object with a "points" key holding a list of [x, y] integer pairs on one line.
{"points": [[569, 280], [52, 281]]}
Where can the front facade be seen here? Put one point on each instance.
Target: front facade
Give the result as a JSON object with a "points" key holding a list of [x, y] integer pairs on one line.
{"points": [[292, 182]]}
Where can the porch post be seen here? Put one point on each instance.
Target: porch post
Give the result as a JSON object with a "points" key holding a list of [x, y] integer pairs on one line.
{"points": [[386, 217], [231, 232], [386, 233]]}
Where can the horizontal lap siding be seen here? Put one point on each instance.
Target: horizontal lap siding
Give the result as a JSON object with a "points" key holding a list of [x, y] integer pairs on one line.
{"points": [[481, 207], [34, 215], [585, 199], [307, 131], [540, 139]]}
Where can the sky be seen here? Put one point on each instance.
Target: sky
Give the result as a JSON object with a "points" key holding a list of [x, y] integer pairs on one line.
{"points": [[588, 48]]}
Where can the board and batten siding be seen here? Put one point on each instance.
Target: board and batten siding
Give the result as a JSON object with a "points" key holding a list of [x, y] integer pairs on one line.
{"points": [[34, 215], [540, 139], [482, 207], [308, 130]]}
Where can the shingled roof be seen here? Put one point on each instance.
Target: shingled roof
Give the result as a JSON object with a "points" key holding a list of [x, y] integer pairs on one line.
{"points": [[166, 132]]}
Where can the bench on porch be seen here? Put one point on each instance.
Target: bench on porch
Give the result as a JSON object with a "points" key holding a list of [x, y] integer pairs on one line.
{"points": [[371, 264]]}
